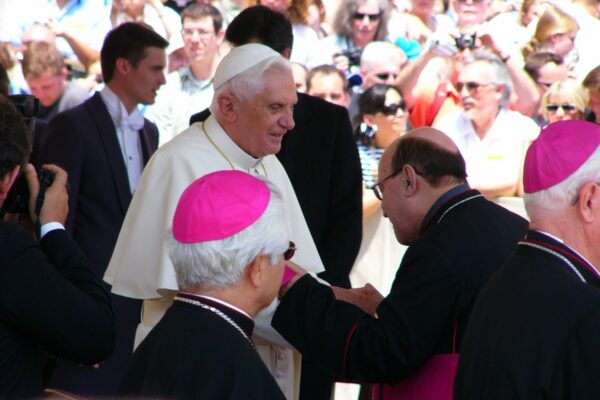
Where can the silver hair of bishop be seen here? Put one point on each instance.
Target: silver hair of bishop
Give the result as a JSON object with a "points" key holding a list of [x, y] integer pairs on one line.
{"points": [[220, 264]]}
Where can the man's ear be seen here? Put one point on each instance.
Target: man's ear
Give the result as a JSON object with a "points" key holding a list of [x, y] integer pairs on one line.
{"points": [[255, 270], [287, 53], [411, 185], [122, 66], [228, 108], [7, 182], [589, 202]]}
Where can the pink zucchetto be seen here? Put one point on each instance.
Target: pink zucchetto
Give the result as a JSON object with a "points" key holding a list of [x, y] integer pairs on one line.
{"points": [[558, 152], [219, 205]]}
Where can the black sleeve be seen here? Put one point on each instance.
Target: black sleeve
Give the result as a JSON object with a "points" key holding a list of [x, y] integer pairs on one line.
{"points": [[53, 297], [411, 321]]}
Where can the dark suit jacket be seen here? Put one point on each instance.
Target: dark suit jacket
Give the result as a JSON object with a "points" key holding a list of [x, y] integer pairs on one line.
{"points": [[534, 330], [50, 301], [83, 141], [461, 245], [321, 160], [192, 353]]}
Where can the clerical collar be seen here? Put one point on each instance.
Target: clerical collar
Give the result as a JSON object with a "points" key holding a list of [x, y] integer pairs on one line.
{"points": [[546, 239], [232, 151], [215, 300], [443, 199]]}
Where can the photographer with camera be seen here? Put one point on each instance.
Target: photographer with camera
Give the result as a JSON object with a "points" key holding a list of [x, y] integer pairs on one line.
{"points": [[50, 300], [429, 82]]}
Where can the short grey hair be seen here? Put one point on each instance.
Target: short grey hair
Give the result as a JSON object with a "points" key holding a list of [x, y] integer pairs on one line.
{"points": [[500, 73], [378, 53], [250, 82], [219, 264], [564, 193]]}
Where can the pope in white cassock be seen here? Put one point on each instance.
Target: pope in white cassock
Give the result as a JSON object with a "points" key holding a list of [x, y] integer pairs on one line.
{"points": [[251, 111]]}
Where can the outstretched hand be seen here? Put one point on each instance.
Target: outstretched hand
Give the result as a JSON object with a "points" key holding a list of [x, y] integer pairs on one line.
{"points": [[367, 298]]}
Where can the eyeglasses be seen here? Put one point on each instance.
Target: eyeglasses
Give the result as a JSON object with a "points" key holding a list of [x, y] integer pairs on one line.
{"points": [[188, 32], [384, 76], [565, 107], [472, 1], [289, 253], [471, 87], [370, 17], [392, 109], [376, 188]]}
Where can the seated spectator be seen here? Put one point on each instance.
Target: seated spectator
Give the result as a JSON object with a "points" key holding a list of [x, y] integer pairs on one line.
{"points": [[357, 23], [328, 83], [300, 76], [380, 121], [492, 139], [305, 50], [80, 25], [545, 68], [46, 74], [190, 88], [229, 265], [164, 20], [592, 84], [555, 32], [420, 22], [564, 100], [50, 299]]}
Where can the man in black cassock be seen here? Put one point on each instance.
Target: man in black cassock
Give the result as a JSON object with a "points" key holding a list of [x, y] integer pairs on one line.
{"points": [[534, 329], [229, 246], [457, 239]]}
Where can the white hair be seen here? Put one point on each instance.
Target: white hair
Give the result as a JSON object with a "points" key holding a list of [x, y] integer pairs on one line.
{"points": [[380, 53], [220, 264], [500, 73], [564, 193], [250, 82]]}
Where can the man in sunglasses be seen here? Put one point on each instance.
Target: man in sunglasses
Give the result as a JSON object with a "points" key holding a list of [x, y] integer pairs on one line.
{"points": [[492, 139], [457, 239], [229, 243]]}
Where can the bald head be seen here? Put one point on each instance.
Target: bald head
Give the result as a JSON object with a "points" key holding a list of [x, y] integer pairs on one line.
{"points": [[432, 154]]}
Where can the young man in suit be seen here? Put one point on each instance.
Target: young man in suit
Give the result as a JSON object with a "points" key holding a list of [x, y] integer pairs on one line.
{"points": [[50, 299], [104, 144]]}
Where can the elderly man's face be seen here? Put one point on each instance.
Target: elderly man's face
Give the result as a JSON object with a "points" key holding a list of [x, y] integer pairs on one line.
{"points": [[266, 117], [471, 12], [479, 94]]}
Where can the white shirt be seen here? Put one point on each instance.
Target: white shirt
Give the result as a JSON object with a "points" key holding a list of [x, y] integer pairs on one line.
{"points": [[498, 157], [127, 128]]}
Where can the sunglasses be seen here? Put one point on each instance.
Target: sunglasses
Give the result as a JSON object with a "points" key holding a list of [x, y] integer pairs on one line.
{"points": [[566, 107], [392, 109], [370, 17], [289, 253], [471, 86], [384, 76]]}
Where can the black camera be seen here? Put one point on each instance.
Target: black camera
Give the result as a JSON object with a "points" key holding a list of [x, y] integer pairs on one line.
{"points": [[353, 55], [17, 199], [465, 41]]}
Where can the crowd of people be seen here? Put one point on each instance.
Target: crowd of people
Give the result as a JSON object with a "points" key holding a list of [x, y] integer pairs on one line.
{"points": [[395, 149]]}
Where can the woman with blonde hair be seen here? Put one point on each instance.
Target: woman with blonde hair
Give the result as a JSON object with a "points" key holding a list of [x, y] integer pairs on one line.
{"points": [[564, 100], [555, 32]]}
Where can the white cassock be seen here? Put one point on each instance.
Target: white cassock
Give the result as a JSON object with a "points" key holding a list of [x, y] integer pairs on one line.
{"points": [[140, 267]]}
